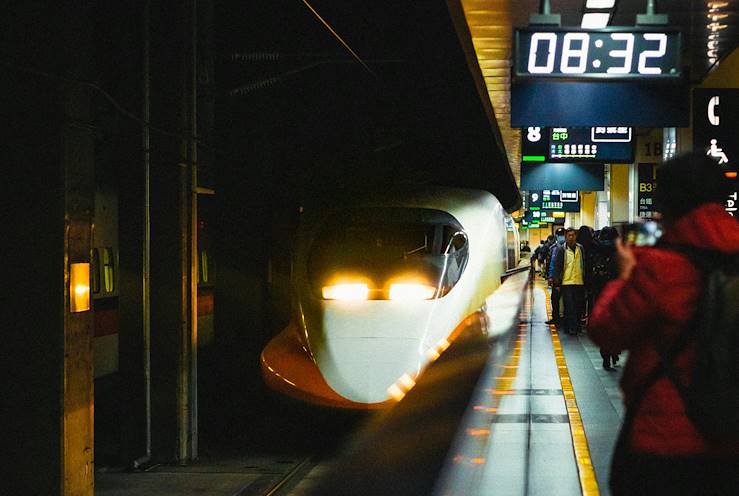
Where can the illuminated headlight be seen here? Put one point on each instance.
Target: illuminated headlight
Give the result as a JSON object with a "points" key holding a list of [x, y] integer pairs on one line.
{"points": [[411, 292], [345, 292]]}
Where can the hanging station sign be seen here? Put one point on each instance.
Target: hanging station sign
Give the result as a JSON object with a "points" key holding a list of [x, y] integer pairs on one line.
{"points": [[646, 174], [605, 144], [553, 202], [715, 121]]}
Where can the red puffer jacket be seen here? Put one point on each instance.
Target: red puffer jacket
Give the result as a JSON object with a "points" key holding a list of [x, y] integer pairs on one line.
{"points": [[650, 309]]}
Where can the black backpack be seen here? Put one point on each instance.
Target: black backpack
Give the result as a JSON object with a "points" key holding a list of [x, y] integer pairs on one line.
{"points": [[603, 265], [712, 397]]}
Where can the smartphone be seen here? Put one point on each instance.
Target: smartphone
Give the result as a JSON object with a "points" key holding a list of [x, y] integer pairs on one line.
{"points": [[641, 233]]}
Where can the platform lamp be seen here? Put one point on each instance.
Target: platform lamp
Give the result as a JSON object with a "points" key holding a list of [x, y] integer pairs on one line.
{"points": [[79, 287]]}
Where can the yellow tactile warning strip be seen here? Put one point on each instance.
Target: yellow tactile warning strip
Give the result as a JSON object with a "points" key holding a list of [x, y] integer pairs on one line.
{"points": [[588, 482]]}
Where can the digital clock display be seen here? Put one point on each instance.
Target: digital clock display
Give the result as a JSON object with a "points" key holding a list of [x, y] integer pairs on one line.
{"points": [[611, 53]]}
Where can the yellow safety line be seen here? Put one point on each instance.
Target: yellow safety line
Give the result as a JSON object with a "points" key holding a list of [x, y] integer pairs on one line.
{"points": [[588, 481]]}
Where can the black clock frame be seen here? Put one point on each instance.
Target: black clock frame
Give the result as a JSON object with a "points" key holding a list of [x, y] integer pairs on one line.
{"points": [[676, 76]]}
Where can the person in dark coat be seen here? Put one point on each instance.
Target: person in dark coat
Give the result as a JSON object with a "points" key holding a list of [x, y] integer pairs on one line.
{"points": [[588, 243], [556, 242], [643, 311], [603, 268]]}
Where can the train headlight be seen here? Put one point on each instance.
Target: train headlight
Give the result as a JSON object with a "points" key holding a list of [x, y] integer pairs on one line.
{"points": [[412, 291], [345, 292]]}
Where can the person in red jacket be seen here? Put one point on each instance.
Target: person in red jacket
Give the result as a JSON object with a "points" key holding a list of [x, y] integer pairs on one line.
{"points": [[644, 310]]}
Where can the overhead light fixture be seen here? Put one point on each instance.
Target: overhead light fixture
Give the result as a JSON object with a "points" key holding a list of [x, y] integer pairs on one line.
{"points": [[600, 4], [716, 26], [595, 20]]}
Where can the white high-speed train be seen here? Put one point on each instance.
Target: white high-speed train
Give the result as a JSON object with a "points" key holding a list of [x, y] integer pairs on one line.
{"points": [[381, 288]]}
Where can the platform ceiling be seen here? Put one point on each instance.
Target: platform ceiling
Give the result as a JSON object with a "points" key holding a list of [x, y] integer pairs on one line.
{"points": [[490, 23]]}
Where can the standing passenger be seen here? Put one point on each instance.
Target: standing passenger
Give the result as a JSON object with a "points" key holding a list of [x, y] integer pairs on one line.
{"points": [[585, 239], [556, 244], [646, 310], [569, 274], [536, 256], [604, 269]]}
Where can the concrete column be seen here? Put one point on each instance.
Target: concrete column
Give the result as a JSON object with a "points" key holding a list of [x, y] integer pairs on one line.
{"points": [[173, 338], [620, 184], [587, 208], [47, 347]]}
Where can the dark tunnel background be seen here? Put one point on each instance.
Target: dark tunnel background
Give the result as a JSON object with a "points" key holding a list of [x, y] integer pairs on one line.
{"points": [[304, 124], [288, 121]]}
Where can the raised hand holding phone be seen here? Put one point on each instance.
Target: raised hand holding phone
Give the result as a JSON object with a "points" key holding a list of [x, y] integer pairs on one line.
{"points": [[626, 259]]}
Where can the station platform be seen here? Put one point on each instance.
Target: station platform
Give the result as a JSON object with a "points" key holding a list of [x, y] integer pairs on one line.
{"points": [[558, 416]]}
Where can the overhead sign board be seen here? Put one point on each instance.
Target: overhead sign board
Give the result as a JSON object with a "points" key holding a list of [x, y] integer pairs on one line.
{"points": [[715, 124], [647, 176], [551, 102], [564, 201], [607, 144], [610, 53], [553, 203], [595, 144], [562, 176]]}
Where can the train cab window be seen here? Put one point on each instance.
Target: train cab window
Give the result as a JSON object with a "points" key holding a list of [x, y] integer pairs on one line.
{"points": [[95, 276], [108, 272], [381, 245]]}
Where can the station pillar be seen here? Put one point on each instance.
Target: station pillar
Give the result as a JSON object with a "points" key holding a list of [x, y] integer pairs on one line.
{"points": [[47, 320], [620, 185], [587, 208]]}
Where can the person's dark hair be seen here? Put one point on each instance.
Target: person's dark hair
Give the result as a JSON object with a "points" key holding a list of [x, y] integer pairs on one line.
{"points": [[687, 182], [608, 233], [560, 230], [585, 236], [570, 229]]}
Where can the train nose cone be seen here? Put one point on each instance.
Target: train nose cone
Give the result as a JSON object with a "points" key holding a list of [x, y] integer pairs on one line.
{"points": [[363, 369], [363, 348]]}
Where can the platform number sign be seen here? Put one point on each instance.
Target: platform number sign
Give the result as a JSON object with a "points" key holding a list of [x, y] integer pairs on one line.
{"points": [[646, 173], [715, 121], [534, 144]]}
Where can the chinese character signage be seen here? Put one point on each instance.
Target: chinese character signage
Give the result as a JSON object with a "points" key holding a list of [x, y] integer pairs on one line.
{"points": [[645, 192], [577, 144], [564, 201], [593, 144], [715, 123]]}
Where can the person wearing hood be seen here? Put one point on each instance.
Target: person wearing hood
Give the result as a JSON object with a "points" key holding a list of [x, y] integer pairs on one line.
{"points": [[644, 311]]}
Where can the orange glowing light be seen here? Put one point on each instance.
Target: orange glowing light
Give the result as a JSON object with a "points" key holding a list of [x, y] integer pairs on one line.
{"points": [[731, 175], [358, 291], [411, 291], [478, 432]]}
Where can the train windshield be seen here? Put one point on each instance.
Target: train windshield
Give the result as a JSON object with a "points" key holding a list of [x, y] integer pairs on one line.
{"points": [[382, 246]]}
